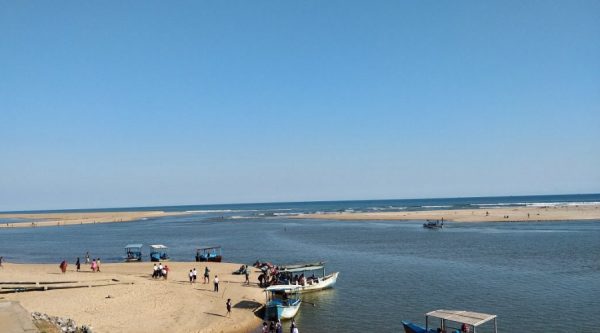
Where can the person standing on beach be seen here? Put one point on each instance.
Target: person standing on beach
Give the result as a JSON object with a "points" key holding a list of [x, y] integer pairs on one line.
{"points": [[1, 258], [293, 327], [247, 274], [63, 266], [94, 266], [87, 258], [98, 265], [206, 276], [194, 274], [216, 281], [78, 264], [228, 304], [191, 276]]}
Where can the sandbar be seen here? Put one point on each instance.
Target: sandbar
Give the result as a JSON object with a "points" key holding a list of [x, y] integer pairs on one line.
{"points": [[68, 218], [496, 214]]}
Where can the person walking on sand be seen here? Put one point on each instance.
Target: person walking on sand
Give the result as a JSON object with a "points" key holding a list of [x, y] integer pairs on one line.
{"points": [[293, 327], [278, 326], [1, 258], [228, 304], [216, 281], [247, 274], [94, 265], [194, 274], [98, 265], [87, 258], [78, 264], [63, 266], [206, 276], [191, 276]]}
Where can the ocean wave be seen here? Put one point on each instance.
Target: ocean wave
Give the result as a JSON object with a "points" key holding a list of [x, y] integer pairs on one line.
{"points": [[236, 210], [566, 203], [440, 206]]}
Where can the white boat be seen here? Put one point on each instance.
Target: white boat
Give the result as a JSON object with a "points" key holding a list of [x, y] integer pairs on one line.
{"points": [[308, 283], [283, 302]]}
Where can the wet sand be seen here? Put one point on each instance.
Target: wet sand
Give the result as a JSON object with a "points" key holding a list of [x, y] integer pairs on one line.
{"points": [[508, 214], [125, 298], [57, 219]]}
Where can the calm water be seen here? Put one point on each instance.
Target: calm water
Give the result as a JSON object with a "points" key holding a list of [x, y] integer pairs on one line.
{"points": [[538, 277]]}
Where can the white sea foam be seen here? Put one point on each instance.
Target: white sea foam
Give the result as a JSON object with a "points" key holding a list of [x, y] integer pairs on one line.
{"points": [[441, 206]]}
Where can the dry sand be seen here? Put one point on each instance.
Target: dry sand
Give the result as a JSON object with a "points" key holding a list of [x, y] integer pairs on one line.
{"points": [[138, 303], [56, 219], [508, 214]]}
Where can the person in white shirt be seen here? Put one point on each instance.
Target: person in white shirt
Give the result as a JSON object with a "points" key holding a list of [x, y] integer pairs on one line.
{"points": [[216, 283], [191, 275], [155, 273], [195, 275]]}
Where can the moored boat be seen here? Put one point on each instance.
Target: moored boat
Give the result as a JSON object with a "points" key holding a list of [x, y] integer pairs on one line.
{"points": [[209, 253], [433, 224], [283, 302], [159, 252], [465, 321], [133, 252], [289, 275]]}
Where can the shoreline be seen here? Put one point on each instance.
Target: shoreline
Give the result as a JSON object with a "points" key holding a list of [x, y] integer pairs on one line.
{"points": [[125, 298], [33, 220], [495, 214]]}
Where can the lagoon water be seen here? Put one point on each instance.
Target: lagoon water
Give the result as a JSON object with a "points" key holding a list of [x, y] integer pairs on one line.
{"points": [[537, 277]]}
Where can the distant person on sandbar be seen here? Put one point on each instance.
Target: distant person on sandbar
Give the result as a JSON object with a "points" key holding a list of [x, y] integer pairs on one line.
{"points": [[63, 266], [216, 282], [228, 304], [78, 264], [206, 276]]}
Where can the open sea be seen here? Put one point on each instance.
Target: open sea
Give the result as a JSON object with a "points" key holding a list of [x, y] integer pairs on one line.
{"points": [[536, 276]]}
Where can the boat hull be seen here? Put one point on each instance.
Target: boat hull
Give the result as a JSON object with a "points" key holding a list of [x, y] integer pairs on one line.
{"points": [[276, 310], [326, 282], [414, 328]]}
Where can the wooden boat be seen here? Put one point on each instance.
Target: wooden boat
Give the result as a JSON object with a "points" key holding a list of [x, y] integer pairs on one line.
{"points": [[455, 321], [283, 302], [133, 252], [210, 253], [433, 224], [306, 283], [159, 252]]}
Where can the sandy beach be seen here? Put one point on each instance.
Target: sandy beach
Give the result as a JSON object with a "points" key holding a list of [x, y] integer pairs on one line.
{"points": [[30, 220], [125, 298], [508, 214]]}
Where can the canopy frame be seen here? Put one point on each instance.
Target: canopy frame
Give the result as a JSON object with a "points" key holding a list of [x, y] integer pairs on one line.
{"points": [[473, 319]]}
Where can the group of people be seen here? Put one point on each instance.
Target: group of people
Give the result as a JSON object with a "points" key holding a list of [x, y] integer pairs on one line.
{"points": [[277, 327], [160, 271], [94, 265]]}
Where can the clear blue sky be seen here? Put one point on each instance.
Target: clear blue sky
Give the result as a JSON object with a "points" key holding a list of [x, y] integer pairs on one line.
{"points": [[121, 103]]}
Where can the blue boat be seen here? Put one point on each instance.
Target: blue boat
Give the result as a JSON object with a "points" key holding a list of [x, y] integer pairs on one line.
{"points": [[133, 252], [209, 253], [433, 224], [283, 302], [455, 321], [159, 253]]}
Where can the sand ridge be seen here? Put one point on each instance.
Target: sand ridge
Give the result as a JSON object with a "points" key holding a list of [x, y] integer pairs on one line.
{"points": [[69, 218], [500, 214]]}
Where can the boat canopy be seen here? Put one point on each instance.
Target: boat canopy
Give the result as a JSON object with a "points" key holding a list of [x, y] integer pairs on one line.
{"points": [[302, 267], [470, 318], [282, 287], [158, 247], [133, 246], [202, 248]]}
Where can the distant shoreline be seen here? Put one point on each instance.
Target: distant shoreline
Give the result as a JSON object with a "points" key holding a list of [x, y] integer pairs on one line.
{"points": [[495, 214], [33, 220]]}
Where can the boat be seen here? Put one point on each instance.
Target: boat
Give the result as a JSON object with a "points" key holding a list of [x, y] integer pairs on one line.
{"points": [[209, 253], [159, 252], [283, 302], [433, 224], [133, 252], [466, 321], [289, 275]]}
